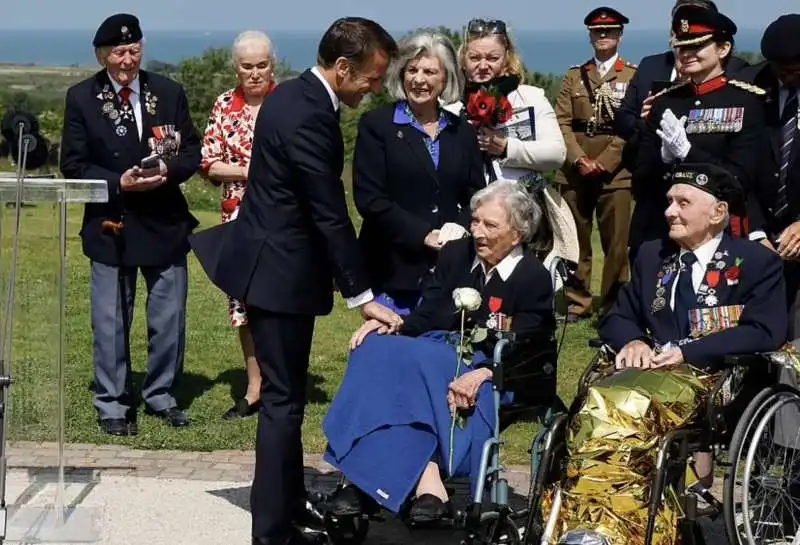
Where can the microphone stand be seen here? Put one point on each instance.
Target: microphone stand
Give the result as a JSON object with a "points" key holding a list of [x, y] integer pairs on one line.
{"points": [[27, 143]]}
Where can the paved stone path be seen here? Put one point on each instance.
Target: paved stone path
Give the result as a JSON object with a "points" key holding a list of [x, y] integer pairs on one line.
{"points": [[233, 466]]}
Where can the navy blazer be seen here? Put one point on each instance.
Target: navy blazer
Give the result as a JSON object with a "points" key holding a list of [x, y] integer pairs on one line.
{"points": [[156, 223], [766, 189], [402, 196], [763, 324], [293, 234]]}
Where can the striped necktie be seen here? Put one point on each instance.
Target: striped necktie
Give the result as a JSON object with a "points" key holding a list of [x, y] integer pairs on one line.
{"points": [[788, 132]]}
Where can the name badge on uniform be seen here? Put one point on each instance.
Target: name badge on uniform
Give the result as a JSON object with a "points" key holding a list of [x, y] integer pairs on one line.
{"points": [[714, 120], [706, 321]]}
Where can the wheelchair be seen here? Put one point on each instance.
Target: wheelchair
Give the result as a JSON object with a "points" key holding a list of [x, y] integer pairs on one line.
{"points": [[500, 524], [738, 425]]}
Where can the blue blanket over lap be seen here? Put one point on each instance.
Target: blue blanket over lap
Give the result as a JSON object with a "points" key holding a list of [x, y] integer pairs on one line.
{"points": [[390, 416]]}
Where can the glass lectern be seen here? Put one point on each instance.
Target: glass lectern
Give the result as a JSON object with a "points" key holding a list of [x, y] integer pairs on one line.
{"points": [[33, 283]]}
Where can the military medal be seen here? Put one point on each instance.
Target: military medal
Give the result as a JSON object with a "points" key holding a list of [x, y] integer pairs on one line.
{"points": [[122, 130], [658, 304]]}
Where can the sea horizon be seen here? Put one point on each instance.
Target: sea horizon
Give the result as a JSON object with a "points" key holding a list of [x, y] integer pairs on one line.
{"points": [[549, 51]]}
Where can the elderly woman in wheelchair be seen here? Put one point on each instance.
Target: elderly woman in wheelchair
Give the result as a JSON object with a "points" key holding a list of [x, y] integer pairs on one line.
{"points": [[417, 407], [630, 459]]}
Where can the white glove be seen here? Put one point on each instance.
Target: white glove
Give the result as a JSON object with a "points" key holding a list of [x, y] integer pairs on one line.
{"points": [[674, 142], [451, 231]]}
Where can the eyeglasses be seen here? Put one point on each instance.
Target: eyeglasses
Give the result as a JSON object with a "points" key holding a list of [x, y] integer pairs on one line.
{"points": [[480, 27]]}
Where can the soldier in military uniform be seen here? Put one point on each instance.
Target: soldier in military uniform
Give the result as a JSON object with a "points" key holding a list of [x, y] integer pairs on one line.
{"points": [[592, 179], [708, 118]]}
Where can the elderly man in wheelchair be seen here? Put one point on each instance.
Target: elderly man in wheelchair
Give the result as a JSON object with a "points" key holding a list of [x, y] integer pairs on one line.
{"points": [[684, 374], [420, 406]]}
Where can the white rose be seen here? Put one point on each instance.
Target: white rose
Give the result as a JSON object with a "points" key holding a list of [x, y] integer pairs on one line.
{"points": [[467, 299]]}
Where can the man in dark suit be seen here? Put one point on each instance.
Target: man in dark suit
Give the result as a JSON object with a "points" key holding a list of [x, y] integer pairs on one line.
{"points": [[292, 238], [112, 121], [654, 73], [701, 295], [779, 189]]}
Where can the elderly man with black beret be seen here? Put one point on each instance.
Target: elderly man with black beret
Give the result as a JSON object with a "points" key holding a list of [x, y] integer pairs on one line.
{"points": [[133, 129]]}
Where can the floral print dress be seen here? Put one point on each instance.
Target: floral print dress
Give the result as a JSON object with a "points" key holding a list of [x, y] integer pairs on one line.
{"points": [[229, 138]]}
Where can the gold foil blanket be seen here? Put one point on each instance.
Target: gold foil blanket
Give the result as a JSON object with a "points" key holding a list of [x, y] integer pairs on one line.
{"points": [[613, 444]]}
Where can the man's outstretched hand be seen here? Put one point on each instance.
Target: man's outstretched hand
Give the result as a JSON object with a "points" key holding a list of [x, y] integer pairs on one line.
{"points": [[376, 311]]}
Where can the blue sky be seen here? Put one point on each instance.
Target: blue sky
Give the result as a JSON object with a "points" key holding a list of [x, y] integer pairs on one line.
{"points": [[279, 15]]}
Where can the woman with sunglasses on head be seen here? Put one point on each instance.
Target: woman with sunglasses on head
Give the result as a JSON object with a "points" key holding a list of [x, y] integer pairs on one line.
{"points": [[707, 118], [530, 142]]}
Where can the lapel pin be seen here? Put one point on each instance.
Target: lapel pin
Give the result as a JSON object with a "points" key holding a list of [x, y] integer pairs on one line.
{"points": [[400, 134]]}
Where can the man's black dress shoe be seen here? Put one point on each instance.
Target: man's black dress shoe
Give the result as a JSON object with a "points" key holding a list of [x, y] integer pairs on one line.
{"points": [[345, 502], [306, 515], [115, 426], [242, 409], [173, 416]]}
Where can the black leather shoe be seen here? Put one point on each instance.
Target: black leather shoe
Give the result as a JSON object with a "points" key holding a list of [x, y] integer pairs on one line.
{"points": [[345, 502], [428, 508], [242, 409], [173, 416], [115, 426], [308, 516]]}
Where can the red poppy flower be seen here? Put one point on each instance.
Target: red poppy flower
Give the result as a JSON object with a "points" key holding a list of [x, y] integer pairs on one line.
{"points": [[732, 273], [229, 206], [481, 107], [506, 110]]}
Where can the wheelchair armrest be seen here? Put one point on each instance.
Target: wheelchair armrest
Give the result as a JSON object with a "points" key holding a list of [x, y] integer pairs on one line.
{"points": [[597, 342]]}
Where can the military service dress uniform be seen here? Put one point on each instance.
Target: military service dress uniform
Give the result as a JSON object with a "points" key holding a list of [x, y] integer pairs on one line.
{"points": [[725, 125], [586, 108]]}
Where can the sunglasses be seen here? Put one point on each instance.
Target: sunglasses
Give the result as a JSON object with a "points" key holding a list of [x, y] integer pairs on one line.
{"points": [[480, 27]]}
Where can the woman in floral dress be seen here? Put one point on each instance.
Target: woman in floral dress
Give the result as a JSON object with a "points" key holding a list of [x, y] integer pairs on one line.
{"points": [[227, 145]]}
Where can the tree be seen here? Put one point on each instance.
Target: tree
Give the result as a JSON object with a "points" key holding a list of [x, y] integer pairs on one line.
{"points": [[204, 78]]}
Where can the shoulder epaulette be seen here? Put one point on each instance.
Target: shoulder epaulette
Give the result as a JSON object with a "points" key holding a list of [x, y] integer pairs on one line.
{"points": [[755, 89], [670, 89]]}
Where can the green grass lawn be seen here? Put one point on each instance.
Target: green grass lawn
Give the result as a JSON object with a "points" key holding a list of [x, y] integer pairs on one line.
{"points": [[214, 373]]}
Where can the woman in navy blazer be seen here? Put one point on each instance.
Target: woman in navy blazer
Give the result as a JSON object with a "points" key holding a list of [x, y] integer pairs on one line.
{"points": [[415, 168]]}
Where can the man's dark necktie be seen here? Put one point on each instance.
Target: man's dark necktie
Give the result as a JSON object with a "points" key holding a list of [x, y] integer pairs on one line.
{"points": [[685, 296], [788, 133]]}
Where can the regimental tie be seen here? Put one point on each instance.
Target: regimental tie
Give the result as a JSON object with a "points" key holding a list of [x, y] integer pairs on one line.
{"points": [[788, 133], [685, 297]]}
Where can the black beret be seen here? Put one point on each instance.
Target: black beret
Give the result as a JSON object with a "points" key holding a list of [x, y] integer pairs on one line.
{"points": [[707, 4], [712, 179], [693, 25], [119, 29], [605, 17], [780, 42]]}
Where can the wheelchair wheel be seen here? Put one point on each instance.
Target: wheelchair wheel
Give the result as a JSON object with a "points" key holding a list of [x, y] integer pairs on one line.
{"points": [[547, 471], [346, 530], [499, 530], [756, 486]]}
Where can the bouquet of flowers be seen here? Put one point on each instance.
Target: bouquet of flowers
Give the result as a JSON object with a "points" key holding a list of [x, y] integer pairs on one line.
{"points": [[487, 107]]}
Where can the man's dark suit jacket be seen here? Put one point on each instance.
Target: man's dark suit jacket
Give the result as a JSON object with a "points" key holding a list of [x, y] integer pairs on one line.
{"points": [[402, 196], [760, 287], [526, 296], [156, 223], [767, 188], [293, 234], [651, 69]]}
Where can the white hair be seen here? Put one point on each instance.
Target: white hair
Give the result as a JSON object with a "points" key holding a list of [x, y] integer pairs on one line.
{"points": [[524, 213], [426, 42], [251, 37]]}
